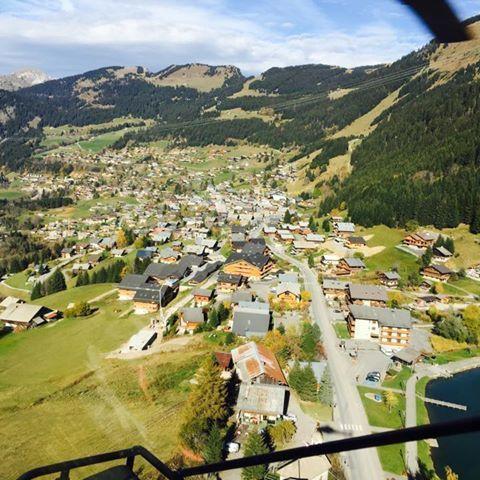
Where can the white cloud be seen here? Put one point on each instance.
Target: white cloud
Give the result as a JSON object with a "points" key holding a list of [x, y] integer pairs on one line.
{"points": [[67, 36]]}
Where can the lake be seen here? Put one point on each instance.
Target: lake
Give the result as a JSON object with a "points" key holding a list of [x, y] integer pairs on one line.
{"points": [[459, 452]]}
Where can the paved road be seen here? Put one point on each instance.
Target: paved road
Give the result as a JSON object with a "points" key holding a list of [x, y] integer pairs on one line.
{"points": [[362, 464]]}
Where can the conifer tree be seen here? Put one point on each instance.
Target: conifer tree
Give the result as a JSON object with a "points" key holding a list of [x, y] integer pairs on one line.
{"points": [[213, 451], [56, 282], [36, 291], [325, 392], [255, 445]]}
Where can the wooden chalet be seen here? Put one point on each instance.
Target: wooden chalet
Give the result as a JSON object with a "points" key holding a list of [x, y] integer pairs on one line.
{"points": [[202, 296], [227, 283], [440, 273], [251, 266], [420, 239]]}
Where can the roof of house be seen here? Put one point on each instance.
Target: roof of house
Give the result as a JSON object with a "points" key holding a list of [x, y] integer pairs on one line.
{"points": [[193, 315], [265, 399], [223, 359], [334, 284], [357, 240], [442, 251], [168, 252], [150, 293], [388, 317], [288, 277], [315, 237], [6, 302], [392, 275], [354, 262], [204, 272], [253, 360], [289, 287], [203, 292], [229, 278], [253, 248], [368, 292], [257, 259], [345, 226], [132, 281], [441, 269], [242, 296], [407, 355], [21, 312]]}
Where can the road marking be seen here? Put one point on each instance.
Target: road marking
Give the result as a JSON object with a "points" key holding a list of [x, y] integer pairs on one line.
{"points": [[351, 427]]}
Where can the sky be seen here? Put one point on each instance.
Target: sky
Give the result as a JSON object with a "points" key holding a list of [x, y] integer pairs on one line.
{"points": [[65, 37]]}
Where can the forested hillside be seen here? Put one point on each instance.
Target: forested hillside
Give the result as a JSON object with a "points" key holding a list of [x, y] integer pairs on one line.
{"points": [[410, 129]]}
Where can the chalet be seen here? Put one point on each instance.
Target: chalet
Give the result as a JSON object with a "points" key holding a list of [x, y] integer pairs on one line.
{"points": [[81, 267], [163, 271], [289, 293], [6, 302], [199, 250], [420, 239], [303, 246], [330, 259], [285, 236], [118, 252], [202, 296], [343, 229], [255, 246], [369, 295], [389, 279], [130, 284], [288, 277], [161, 237], [315, 238], [251, 266], [255, 363], [355, 242], [94, 259], [335, 289], [390, 327], [168, 255], [21, 316], [349, 265], [67, 252], [227, 283], [441, 254], [439, 273], [251, 319], [191, 318], [149, 297], [270, 231]]}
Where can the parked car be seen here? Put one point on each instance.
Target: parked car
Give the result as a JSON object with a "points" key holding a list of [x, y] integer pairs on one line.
{"points": [[373, 377], [290, 416], [233, 447]]}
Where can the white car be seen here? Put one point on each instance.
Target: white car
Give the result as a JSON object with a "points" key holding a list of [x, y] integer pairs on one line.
{"points": [[233, 447], [290, 416]]}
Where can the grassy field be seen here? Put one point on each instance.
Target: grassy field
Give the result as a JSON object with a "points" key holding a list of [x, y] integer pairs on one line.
{"points": [[318, 411], [471, 286], [341, 330], [442, 358], [392, 458], [82, 208], [6, 291], [390, 257], [102, 141], [378, 414], [6, 194], [19, 280], [399, 380], [60, 398], [422, 412]]}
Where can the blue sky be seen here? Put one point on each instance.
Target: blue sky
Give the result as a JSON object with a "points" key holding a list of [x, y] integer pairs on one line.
{"points": [[64, 37]]}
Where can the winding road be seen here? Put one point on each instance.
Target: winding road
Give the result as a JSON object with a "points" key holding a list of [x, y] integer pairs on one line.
{"points": [[361, 464]]}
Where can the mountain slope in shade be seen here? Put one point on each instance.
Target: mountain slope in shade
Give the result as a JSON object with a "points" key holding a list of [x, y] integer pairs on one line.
{"points": [[22, 78]]}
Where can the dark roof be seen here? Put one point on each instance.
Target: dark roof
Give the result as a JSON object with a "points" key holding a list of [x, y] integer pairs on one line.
{"points": [[145, 254], [357, 240], [252, 248], [389, 317], [202, 274], [132, 281], [368, 292], [150, 292], [441, 269], [228, 278], [257, 259], [174, 270], [242, 296], [203, 292]]}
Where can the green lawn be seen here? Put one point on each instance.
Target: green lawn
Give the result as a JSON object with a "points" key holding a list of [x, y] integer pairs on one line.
{"points": [[60, 398], [6, 194], [424, 456], [399, 380], [391, 256], [19, 280], [6, 291], [442, 358], [467, 284], [378, 414], [82, 208], [316, 410], [61, 300], [392, 458], [102, 141], [341, 330]]}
